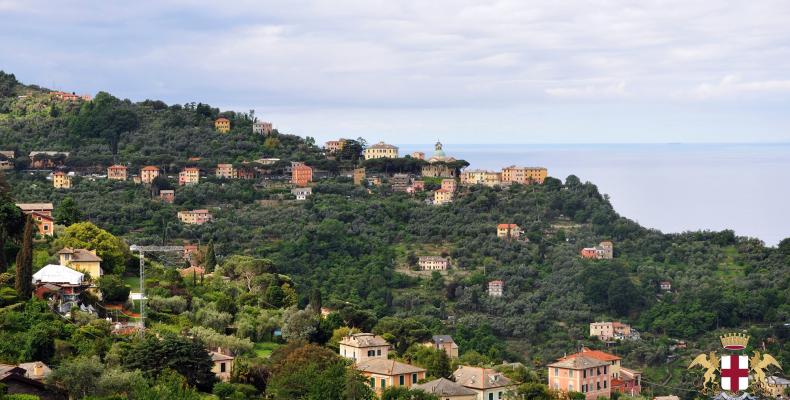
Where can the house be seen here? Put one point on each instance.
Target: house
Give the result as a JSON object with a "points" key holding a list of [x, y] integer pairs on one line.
{"points": [[81, 260], [223, 365], [47, 159], [117, 172], [524, 175], [226, 171], [628, 381], [364, 346], [380, 150], [13, 378], [149, 173], [481, 177], [445, 389], [449, 185], [622, 379], [359, 176], [604, 251], [246, 172], [192, 271], [442, 196], [582, 374], [374, 180], [418, 155], [445, 343], [61, 284], [42, 216], [437, 170], [301, 174], [222, 125], [302, 193], [36, 370], [383, 373], [606, 331], [487, 383], [400, 182], [195, 217], [189, 176], [433, 263], [334, 146], [665, 286], [777, 386], [508, 231], [167, 195], [496, 288], [416, 186], [61, 180], [7, 159], [262, 128]]}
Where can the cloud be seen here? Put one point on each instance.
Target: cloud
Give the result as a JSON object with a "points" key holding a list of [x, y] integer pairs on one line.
{"points": [[614, 90], [731, 86]]}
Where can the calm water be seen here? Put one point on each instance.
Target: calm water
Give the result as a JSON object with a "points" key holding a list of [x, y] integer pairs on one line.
{"points": [[671, 187]]}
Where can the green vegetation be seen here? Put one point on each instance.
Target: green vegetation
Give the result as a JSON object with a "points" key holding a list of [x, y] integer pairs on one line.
{"points": [[349, 249]]}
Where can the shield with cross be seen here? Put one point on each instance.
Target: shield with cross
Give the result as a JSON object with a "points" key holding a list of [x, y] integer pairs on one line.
{"points": [[734, 373]]}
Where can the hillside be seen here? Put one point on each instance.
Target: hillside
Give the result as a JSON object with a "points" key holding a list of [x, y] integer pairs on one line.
{"points": [[355, 247]]}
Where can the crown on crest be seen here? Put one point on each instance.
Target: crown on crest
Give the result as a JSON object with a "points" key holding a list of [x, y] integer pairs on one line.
{"points": [[735, 341]]}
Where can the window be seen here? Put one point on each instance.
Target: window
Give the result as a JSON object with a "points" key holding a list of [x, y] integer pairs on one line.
{"points": [[570, 373], [383, 383], [221, 367], [604, 369], [372, 382], [604, 384], [599, 371], [556, 372], [490, 396], [499, 395], [402, 380], [570, 387], [598, 385], [371, 353], [413, 378], [378, 352], [584, 373]]}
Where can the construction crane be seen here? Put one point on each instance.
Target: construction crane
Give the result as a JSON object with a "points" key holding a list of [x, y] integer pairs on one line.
{"points": [[141, 250]]}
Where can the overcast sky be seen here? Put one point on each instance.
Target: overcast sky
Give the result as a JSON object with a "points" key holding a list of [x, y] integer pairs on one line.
{"points": [[411, 71]]}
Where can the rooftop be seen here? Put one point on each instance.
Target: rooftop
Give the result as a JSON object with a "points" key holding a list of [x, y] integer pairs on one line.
{"points": [[578, 362], [363, 340], [445, 387], [80, 254], [387, 367], [382, 145], [596, 354], [53, 273], [480, 378], [35, 206]]}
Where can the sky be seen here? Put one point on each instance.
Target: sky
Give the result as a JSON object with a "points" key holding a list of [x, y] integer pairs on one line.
{"points": [[411, 71]]}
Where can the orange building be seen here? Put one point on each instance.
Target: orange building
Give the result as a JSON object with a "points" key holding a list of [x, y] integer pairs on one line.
{"points": [[222, 125], [524, 175], [301, 174], [117, 172], [449, 185], [189, 176], [42, 216], [383, 373], [149, 173], [508, 231]]}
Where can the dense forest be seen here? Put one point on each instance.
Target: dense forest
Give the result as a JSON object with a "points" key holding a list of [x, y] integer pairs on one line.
{"points": [[354, 249]]}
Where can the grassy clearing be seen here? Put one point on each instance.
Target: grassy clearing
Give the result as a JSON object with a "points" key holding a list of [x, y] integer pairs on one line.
{"points": [[265, 349]]}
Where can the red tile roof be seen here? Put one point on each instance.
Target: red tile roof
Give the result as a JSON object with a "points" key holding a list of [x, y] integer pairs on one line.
{"points": [[596, 354]]}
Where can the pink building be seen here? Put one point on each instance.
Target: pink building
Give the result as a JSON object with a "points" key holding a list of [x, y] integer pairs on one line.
{"points": [[581, 374], [448, 185], [496, 288]]}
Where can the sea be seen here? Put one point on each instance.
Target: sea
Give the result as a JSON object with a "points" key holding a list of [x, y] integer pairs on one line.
{"points": [[670, 187]]}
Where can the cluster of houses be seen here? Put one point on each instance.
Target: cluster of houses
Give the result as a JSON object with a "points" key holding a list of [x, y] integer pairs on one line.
{"points": [[370, 352], [593, 373], [604, 251], [508, 175], [223, 125], [608, 331]]}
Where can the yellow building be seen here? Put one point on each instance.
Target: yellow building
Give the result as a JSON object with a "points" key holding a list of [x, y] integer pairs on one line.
{"points": [[442, 196], [222, 125], [481, 177], [82, 260], [222, 365], [60, 180], [189, 176], [226, 171], [381, 150], [524, 175]]}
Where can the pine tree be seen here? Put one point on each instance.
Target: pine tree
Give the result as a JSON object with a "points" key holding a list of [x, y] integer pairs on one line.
{"points": [[211, 257], [315, 300], [24, 263]]}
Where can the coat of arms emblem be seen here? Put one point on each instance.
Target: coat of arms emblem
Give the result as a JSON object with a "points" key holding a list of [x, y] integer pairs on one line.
{"points": [[736, 370]]}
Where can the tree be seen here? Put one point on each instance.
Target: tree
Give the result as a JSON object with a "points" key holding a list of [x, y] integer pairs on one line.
{"points": [[11, 220], [299, 325], [8, 83], [315, 300], [211, 257], [78, 376], [338, 335], [113, 289], [85, 235], [67, 213], [187, 357], [435, 361], [534, 391], [24, 263]]}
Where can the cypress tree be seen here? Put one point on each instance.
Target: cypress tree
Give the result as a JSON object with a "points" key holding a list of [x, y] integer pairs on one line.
{"points": [[24, 263], [211, 257], [315, 300]]}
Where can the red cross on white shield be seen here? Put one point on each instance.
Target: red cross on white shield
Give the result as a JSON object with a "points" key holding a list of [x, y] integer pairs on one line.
{"points": [[734, 373]]}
